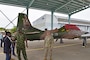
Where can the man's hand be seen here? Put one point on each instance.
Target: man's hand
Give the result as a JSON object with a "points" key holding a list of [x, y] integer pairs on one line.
{"points": [[27, 45]]}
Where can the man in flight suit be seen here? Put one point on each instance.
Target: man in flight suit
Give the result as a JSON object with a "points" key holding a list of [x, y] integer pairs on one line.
{"points": [[48, 44]]}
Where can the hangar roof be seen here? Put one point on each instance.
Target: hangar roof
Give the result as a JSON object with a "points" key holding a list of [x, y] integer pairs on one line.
{"points": [[60, 6]]}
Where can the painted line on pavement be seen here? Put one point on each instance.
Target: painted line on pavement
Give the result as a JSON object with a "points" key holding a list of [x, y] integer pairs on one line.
{"points": [[36, 49]]}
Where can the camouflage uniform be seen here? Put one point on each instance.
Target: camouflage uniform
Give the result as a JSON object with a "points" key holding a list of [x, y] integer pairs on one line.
{"points": [[49, 40], [21, 46]]}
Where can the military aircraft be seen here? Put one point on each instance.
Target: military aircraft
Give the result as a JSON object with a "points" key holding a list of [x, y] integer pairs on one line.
{"points": [[68, 31]]}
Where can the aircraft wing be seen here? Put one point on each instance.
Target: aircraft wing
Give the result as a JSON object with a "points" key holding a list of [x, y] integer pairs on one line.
{"points": [[86, 35]]}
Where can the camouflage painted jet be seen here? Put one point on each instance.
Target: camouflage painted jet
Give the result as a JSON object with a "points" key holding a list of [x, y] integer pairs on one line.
{"points": [[68, 31]]}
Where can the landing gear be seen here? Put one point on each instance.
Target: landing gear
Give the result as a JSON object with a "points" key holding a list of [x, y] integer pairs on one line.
{"points": [[61, 41], [84, 41]]}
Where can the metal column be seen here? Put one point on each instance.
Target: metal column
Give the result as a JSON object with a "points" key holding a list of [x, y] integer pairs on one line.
{"points": [[27, 11], [69, 18], [51, 20]]}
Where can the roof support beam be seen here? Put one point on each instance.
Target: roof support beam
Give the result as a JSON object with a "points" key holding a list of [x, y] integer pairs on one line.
{"points": [[83, 8], [79, 3], [63, 5], [30, 3], [67, 9], [83, 1]]}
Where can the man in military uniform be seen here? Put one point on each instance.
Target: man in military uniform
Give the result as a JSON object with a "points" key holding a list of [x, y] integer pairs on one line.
{"points": [[21, 44], [48, 44]]}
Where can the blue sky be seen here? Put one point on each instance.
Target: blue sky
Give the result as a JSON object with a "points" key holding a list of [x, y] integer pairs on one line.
{"points": [[11, 13]]}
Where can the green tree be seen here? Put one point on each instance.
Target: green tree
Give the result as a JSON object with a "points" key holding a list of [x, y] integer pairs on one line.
{"points": [[2, 29]]}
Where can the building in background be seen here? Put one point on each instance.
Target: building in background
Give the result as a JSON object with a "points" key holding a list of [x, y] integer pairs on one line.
{"points": [[59, 21]]}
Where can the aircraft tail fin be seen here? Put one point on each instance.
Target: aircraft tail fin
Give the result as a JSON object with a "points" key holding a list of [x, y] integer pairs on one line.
{"points": [[24, 23]]}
